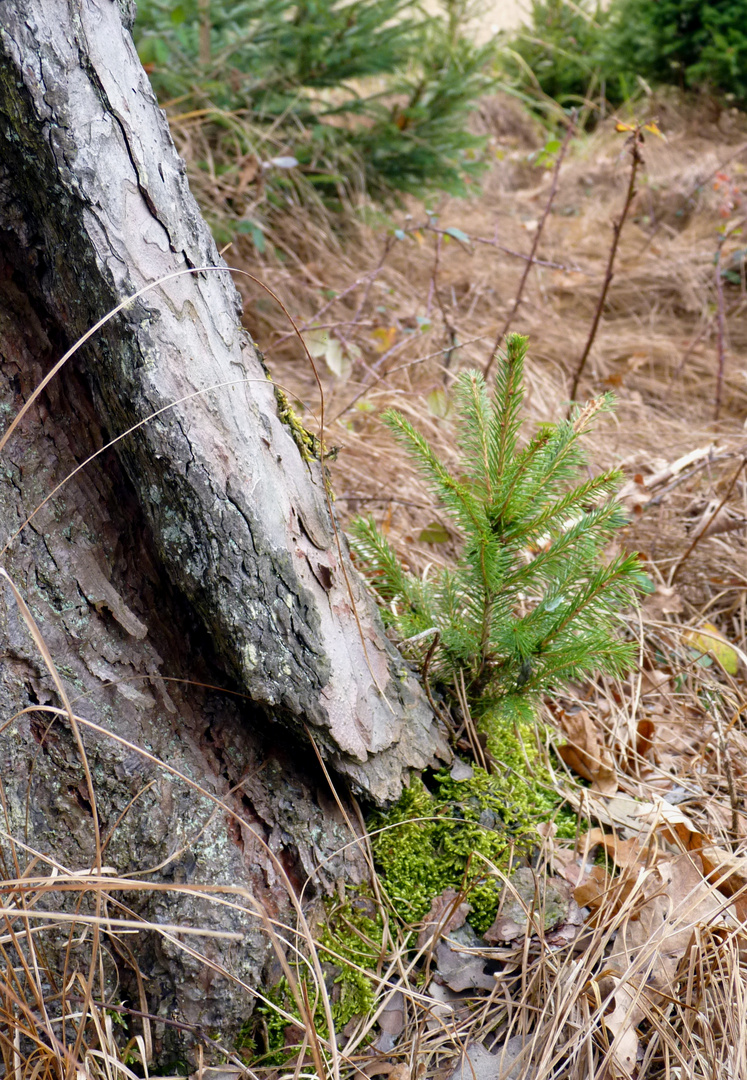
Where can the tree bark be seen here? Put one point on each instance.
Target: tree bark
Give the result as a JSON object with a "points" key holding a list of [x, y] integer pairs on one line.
{"points": [[200, 555]]}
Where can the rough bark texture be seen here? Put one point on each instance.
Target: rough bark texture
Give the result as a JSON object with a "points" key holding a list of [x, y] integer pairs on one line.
{"points": [[94, 188], [201, 550]]}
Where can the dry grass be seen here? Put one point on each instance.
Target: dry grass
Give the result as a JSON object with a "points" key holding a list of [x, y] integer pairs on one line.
{"points": [[663, 754], [674, 735]]}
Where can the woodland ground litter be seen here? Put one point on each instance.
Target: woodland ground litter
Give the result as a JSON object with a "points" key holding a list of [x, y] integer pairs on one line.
{"points": [[620, 952], [664, 754]]}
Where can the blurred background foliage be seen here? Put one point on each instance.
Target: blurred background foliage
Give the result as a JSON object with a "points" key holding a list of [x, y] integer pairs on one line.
{"points": [[283, 106], [595, 56], [342, 96]]}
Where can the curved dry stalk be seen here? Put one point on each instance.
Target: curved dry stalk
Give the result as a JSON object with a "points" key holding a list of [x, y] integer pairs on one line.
{"points": [[636, 160], [570, 130]]}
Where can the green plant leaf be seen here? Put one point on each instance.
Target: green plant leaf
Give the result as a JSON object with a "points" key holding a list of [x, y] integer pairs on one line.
{"points": [[434, 533], [438, 403], [458, 234]]}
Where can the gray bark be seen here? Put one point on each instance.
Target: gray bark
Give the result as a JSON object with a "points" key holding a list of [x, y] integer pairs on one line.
{"points": [[202, 551], [239, 518]]}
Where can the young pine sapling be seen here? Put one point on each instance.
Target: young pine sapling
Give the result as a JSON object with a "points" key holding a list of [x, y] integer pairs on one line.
{"points": [[531, 603]]}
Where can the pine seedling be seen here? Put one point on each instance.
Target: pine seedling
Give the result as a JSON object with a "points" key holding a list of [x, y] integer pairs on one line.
{"points": [[531, 603]]}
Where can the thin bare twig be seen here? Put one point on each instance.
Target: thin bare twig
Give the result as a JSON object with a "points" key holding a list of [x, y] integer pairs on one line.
{"points": [[636, 160], [720, 328], [734, 309], [371, 278], [548, 263], [695, 189], [702, 533], [538, 234], [448, 324], [426, 684], [721, 315]]}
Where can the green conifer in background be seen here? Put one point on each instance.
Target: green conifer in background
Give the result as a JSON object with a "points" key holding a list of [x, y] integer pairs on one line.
{"points": [[531, 603], [376, 92]]}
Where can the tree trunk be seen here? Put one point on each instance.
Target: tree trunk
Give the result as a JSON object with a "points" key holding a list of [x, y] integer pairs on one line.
{"points": [[189, 585]]}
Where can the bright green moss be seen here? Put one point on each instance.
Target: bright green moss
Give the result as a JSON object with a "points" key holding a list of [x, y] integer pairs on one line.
{"points": [[354, 931], [434, 839]]}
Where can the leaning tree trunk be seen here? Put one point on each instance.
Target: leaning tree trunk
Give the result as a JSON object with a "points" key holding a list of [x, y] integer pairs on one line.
{"points": [[199, 554]]}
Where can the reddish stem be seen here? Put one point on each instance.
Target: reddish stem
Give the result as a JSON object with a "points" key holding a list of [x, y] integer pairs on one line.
{"points": [[636, 160]]}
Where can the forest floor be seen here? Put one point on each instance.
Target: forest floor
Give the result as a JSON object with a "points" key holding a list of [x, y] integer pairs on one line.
{"points": [[620, 952], [650, 981]]}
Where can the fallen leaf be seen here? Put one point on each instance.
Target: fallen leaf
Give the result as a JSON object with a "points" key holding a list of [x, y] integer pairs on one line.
{"points": [[665, 600], [443, 1008], [247, 174], [565, 863], [461, 770], [586, 754], [461, 970], [384, 337], [621, 1023], [677, 900], [438, 403], [592, 892], [717, 519], [624, 853], [708, 639], [447, 913], [509, 1059], [391, 1023], [728, 872], [401, 1072], [644, 737], [672, 902], [654, 682], [435, 533], [476, 1064], [505, 929], [626, 813]]}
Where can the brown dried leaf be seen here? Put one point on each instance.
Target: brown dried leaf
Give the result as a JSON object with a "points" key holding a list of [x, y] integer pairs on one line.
{"points": [[505, 929], [462, 970], [566, 864], [401, 1072], [644, 737], [593, 892], [391, 1022], [728, 872], [651, 944], [664, 601], [445, 915], [624, 853], [586, 754], [621, 1023], [249, 173]]}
